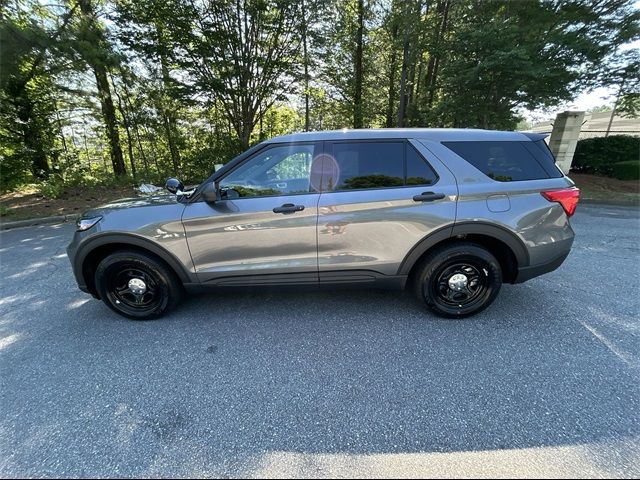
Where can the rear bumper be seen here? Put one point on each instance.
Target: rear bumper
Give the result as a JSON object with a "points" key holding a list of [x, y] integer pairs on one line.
{"points": [[527, 273]]}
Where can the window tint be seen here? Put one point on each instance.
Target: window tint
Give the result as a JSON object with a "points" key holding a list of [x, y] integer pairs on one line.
{"points": [[503, 161], [368, 165], [418, 172], [281, 170], [540, 150]]}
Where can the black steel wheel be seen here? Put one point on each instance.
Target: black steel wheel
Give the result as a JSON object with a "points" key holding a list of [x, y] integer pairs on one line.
{"points": [[458, 280], [137, 285]]}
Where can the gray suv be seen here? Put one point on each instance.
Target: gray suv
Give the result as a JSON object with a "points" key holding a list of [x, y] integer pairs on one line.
{"points": [[450, 214]]}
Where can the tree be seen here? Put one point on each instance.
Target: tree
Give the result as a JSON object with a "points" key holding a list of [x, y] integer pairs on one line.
{"points": [[27, 92], [190, 83], [623, 74], [358, 68], [410, 48], [143, 27], [347, 74], [92, 46], [244, 54], [502, 56]]}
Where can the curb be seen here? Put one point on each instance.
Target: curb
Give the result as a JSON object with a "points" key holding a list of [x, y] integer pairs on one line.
{"points": [[39, 221]]}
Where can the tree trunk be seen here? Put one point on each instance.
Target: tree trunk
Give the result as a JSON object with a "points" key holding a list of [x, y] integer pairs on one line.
{"points": [[615, 106], [405, 66], [168, 114], [245, 132], [142, 154], [127, 129], [104, 92], [392, 76], [444, 11], [306, 66], [127, 99], [359, 71], [109, 115], [32, 138]]}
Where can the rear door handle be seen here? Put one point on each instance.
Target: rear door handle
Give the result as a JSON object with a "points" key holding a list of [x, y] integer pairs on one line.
{"points": [[428, 197], [288, 208]]}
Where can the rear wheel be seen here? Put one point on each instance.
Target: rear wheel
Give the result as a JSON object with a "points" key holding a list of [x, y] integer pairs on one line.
{"points": [[458, 280], [137, 285]]}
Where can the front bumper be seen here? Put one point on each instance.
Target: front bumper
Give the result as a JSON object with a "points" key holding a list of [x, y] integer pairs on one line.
{"points": [[72, 249]]}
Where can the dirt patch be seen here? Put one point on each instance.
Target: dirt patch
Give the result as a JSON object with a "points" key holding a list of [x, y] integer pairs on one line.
{"points": [[30, 204], [594, 187], [605, 184]]}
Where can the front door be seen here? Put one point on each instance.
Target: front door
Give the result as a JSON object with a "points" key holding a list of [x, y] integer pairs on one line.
{"points": [[263, 231]]}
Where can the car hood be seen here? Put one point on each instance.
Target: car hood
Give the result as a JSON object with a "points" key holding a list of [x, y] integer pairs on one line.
{"points": [[133, 202]]}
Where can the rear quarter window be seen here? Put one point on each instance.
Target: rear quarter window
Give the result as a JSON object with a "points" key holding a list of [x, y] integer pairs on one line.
{"points": [[508, 161]]}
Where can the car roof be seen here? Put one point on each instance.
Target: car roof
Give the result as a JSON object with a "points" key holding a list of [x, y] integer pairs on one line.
{"points": [[434, 134]]}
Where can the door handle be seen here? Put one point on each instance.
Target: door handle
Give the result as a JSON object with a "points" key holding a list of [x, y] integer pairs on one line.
{"points": [[288, 208], [428, 197]]}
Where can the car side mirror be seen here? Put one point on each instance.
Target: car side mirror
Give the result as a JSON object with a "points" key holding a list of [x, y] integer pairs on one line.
{"points": [[174, 185], [211, 194]]}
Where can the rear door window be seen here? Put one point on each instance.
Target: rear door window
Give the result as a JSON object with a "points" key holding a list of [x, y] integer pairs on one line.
{"points": [[418, 171], [370, 165], [508, 161]]}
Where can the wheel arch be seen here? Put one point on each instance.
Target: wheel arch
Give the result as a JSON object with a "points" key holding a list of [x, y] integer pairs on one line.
{"points": [[93, 252], [508, 249]]}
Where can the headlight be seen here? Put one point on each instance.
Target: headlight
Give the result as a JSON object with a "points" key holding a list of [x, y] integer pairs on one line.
{"points": [[86, 223]]}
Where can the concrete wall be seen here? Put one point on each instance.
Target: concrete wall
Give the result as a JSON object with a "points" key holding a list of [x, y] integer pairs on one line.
{"points": [[564, 137]]}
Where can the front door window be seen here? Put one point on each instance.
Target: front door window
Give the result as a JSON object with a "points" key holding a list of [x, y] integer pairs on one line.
{"points": [[278, 170]]}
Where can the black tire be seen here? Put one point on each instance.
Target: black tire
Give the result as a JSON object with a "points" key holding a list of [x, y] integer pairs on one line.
{"points": [[479, 280], [161, 289]]}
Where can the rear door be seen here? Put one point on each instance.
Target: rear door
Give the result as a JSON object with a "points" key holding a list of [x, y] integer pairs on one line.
{"points": [[379, 199]]}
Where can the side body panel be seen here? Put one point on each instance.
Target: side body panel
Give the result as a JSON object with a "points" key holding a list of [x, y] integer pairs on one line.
{"points": [[364, 234], [150, 223], [243, 237], [541, 226]]}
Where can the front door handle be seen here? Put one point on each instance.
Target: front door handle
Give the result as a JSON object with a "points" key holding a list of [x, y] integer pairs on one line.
{"points": [[288, 208], [428, 197]]}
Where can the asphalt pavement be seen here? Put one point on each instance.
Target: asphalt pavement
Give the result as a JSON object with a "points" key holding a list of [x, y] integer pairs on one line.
{"points": [[545, 382]]}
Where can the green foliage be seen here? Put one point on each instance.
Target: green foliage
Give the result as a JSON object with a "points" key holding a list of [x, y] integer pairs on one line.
{"points": [[629, 105], [600, 109], [51, 188], [173, 87], [626, 170], [26, 104], [598, 155], [503, 55]]}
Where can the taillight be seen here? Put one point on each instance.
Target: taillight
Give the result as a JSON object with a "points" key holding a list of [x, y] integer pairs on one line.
{"points": [[567, 197]]}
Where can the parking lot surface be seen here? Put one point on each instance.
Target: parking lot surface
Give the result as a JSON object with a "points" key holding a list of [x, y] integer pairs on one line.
{"points": [[545, 382]]}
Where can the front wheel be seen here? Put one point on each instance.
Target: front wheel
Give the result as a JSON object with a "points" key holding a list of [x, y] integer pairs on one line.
{"points": [[137, 285], [458, 280]]}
